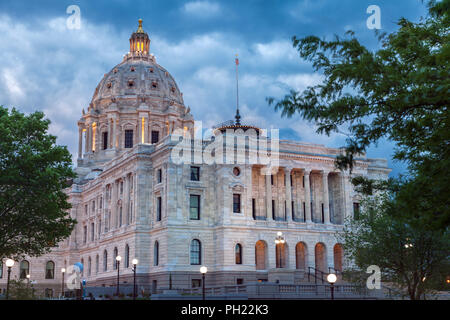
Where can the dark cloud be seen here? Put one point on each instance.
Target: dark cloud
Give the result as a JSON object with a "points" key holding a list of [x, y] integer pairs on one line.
{"points": [[45, 66]]}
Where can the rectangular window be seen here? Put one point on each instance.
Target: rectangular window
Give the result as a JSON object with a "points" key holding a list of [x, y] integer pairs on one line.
{"points": [[86, 209], [271, 179], [84, 234], [273, 209], [303, 182], [304, 211], [254, 208], [236, 203], [355, 210], [293, 210], [195, 173], [239, 281], [93, 206], [155, 136], [105, 140], [99, 228], [323, 214], [120, 216], [158, 208], [291, 180], [196, 283], [92, 231], [194, 207], [128, 138], [159, 175]]}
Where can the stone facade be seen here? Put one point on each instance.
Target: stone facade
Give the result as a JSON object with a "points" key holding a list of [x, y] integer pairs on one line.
{"points": [[130, 195]]}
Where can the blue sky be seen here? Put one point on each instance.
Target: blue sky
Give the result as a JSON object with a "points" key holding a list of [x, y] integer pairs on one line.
{"points": [[45, 66]]}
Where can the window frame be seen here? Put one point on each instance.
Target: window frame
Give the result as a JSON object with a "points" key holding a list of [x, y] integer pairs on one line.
{"points": [[198, 197], [195, 252]]}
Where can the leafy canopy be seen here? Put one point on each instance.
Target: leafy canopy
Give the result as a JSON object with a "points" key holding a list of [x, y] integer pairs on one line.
{"points": [[33, 174]]}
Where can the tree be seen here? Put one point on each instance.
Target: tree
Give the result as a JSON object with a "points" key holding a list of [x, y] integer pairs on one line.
{"points": [[412, 258], [399, 92], [34, 172]]}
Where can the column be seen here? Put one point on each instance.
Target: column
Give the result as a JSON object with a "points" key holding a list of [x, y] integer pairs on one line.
{"points": [[109, 133], [326, 201], [86, 139], [287, 178], [307, 195], [146, 129], [114, 220], [80, 142], [268, 195], [126, 197]]}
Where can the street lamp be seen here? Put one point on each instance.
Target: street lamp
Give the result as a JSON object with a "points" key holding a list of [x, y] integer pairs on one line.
{"points": [[9, 263], [28, 280], [278, 241], [118, 258], [63, 271], [203, 271], [134, 262], [331, 278]]}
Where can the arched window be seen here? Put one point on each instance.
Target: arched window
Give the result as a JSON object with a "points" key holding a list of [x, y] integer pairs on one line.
{"points": [[320, 257], [127, 256], [196, 250], [24, 269], [300, 256], [156, 253], [116, 253], [238, 253], [50, 270], [338, 253], [260, 255], [89, 266], [105, 260]]}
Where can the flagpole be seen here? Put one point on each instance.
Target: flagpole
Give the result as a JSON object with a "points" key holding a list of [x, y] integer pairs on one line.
{"points": [[238, 117]]}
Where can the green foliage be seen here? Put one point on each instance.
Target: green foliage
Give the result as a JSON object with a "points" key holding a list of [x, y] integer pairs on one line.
{"points": [[412, 258], [34, 172], [19, 290], [400, 92]]}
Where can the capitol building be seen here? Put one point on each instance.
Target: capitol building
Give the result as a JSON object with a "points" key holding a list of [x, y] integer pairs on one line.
{"points": [[132, 198]]}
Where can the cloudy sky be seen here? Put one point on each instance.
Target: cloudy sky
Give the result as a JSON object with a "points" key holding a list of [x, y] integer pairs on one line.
{"points": [[46, 66]]}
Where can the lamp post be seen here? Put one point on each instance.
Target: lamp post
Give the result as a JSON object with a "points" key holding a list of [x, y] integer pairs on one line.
{"points": [[63, 271], [203, 271], [9, 264], [118, 258], [278, 241], [134, 262], [331, 278]]}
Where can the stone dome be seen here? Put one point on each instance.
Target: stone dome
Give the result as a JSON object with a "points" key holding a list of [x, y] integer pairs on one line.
{"points": [[138, 76], [137, 102]]}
